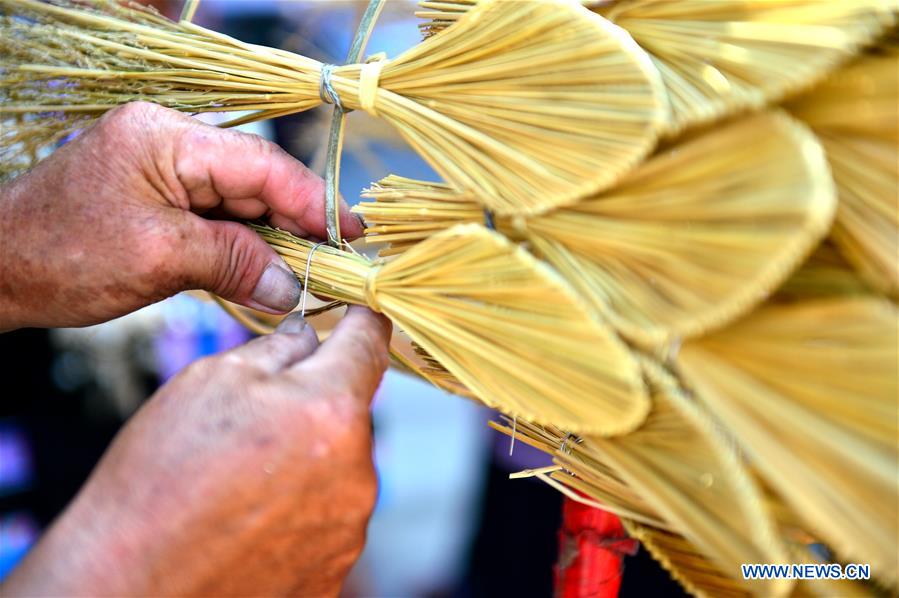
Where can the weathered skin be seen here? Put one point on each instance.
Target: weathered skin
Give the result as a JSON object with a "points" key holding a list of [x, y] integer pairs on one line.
{"points": [[249, 473], [110, 222]]}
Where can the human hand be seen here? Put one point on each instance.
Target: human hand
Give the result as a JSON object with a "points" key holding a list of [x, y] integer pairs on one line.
{"points": [[111, 221], [249, 474]]}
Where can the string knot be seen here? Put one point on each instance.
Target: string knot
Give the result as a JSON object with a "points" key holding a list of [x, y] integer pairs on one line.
{"points": [[326, 90], [369, 79], [370, 288]]}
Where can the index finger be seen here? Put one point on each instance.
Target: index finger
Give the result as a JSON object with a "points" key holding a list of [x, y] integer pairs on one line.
{"points": [[355, 356], [250, 177]]}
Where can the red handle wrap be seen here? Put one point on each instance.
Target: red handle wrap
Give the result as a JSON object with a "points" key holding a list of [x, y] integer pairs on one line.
{"points": [[592, 545]]}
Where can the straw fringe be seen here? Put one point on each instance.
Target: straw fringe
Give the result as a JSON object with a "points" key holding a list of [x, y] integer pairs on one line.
{"points": [[414, 360], [684, 563], [809, 390], [528, 105], [482, 307], [702, 578], [697, 236]]}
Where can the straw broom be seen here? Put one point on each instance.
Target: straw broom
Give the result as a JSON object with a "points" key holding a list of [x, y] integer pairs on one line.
{"points": [[722, 57], [696, 236], [824, 275], [527, 104], [683, 560], [501, 322], [678, 473], [809, 389], [727, 56], [855, 113], [586, 468]]}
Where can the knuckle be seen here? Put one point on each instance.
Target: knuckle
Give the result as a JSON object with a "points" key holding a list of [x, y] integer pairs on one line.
{"points": [[160, 261], [229, 365], [257, 144], [130, 116], [238, 272], [372, 348], [278, 343], [200, 369]]}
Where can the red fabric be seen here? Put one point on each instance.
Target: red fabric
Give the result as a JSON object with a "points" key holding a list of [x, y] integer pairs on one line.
{"points": [[592, 545]]}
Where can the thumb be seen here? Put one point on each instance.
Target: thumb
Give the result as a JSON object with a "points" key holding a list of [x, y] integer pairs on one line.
{"points": [[232, 261]]}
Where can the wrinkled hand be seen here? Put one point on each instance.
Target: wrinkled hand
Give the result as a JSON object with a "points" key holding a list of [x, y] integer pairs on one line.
{"points": [[249, 474], [111, 221]]}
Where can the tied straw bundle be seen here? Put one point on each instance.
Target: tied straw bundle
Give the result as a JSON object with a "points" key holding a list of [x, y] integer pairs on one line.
{"points": [[677, 473], [698, 235], [505, 325], [526, 104], [808, 388], [855, 113], [720, 57]]}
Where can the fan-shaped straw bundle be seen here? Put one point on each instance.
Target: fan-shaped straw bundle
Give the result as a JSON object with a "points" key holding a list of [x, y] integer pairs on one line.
{"points": [[809, 390], [855, 113], [678, 473], [696, 236], [726, 56], [719, 57], [501, 322], [528, 104]]}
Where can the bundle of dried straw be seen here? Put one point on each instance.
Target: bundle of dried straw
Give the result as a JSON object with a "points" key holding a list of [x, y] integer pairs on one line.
{"points": [[482, 307], [527, 104], [696, 236], [676, 473], [719, 57], [809, 389], [541, 112]]}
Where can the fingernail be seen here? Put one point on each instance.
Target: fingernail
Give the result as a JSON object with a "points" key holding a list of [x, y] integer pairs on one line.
{"points": [[277, 288], [294, 323], [361, 220]]}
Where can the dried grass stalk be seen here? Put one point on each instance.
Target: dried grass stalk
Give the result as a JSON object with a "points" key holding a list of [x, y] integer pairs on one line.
{"points": [[809, 390], [686, 477], [528, 105], [696, 236], [413, 359], [855, 113], [508, 327], [720, 57]]}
